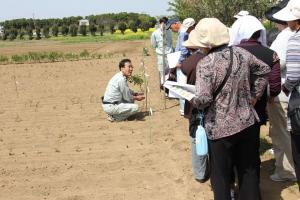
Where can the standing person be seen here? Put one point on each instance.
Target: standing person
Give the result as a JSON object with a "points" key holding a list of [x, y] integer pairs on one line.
{"points": [[118, 100], [291, 14], [183, 33], [277, 110], [157, 43], [199, 163], [250, 34], [230, 115]]}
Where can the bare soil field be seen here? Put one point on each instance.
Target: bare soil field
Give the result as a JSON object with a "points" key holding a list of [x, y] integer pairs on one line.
{"points": [[56, 144]]}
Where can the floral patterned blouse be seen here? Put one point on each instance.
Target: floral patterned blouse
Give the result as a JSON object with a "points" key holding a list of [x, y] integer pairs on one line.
{"points": [[231, 111]]}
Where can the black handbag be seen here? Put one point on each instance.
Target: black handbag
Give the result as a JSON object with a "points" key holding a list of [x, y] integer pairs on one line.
{"points": [[294, 111], [295, 120]]}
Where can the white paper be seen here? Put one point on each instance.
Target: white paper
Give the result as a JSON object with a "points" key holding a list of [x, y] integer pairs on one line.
{"points": [[173, 59], [184, 91]]}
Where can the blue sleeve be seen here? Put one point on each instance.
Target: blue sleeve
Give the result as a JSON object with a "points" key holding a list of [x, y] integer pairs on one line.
{"points": [[184, 51]]}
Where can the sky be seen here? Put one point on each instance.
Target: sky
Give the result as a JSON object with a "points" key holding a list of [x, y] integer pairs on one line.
{"points": [[40, 9]]}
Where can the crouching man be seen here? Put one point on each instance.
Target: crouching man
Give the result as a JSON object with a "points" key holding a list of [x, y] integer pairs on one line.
{"points": [[118, 100]]}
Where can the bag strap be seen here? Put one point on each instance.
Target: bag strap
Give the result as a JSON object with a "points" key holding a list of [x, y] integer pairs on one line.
{"points": [[227, 75]]}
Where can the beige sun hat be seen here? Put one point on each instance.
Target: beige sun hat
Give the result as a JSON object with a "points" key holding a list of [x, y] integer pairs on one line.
{"points": [[289, 13], [192, 40], [209, 32]]}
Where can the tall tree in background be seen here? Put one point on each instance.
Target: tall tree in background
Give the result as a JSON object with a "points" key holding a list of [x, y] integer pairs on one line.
{"points": [[29, 32], [93, 29], [73, 30], [22, 34], [101, 28], [64, 30], [46, 31], [112, 28], [54, 30], [82, 30], [13, 34], [221, 9], [122, 27], [133, 25], [38, 33]]}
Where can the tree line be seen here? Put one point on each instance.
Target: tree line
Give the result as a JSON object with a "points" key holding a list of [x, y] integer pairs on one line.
{"points": [[224, 10], [36, 28]]}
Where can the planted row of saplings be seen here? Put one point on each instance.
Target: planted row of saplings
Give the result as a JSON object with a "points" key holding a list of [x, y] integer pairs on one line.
{"points": [[53, 56]]}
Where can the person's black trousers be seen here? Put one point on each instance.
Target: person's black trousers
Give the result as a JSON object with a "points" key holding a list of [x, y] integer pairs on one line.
{"points": [[295, 142], [240, 150]]}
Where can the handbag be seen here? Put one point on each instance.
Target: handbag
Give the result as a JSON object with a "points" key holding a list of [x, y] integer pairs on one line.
{"points": [[295, 121], [201, 137], [294, 111]]}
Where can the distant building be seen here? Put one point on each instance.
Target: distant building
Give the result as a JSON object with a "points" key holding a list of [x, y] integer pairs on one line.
{"points": [[84, 22]]}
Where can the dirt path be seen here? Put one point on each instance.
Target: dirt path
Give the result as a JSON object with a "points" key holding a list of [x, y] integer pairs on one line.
{"points": [[55, 141]]}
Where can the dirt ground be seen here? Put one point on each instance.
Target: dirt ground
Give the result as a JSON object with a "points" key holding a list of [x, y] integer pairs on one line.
{"points": [[56, 144]]}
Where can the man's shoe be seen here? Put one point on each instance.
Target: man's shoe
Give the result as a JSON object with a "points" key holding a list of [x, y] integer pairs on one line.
{"points": [[277, 178], [110, 118]]}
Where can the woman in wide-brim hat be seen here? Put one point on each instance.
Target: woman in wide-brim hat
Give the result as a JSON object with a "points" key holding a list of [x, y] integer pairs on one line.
{"points": [[291, 14], [230, 116]]}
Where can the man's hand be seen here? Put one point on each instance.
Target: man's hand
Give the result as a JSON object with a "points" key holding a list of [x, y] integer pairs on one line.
{"points": [[139, 97], [178, 65], [286, 91]]}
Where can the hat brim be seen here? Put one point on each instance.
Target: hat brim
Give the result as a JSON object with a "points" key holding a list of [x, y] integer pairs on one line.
{"points": [[168, 26], [269, 15], [285, 15], [192, 45]]}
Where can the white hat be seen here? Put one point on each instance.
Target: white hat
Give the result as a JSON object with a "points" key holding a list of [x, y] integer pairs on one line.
{"points": [[187, 23], [244, 27], [289, 13], [209, 32], [241, 14]]}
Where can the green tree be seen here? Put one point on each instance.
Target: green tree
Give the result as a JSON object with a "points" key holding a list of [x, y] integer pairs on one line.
{"points": [[224, 10], [64, 30], [29, 31], [13, 34], [122, 27], [145, 26], [22, 34], [46, 31], [101, 28], [93, 29], [112, 28], [73, 30], [38, 33], [55, 30], [133, 25], [83, 30]]}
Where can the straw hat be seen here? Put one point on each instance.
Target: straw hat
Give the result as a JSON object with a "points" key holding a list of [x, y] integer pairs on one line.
{"points": [[209, 32], [289, 13]]}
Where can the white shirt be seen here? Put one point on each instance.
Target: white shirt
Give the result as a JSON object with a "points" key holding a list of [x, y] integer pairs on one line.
{"points": [[118, 90], [279, 45], [157, 41]]}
